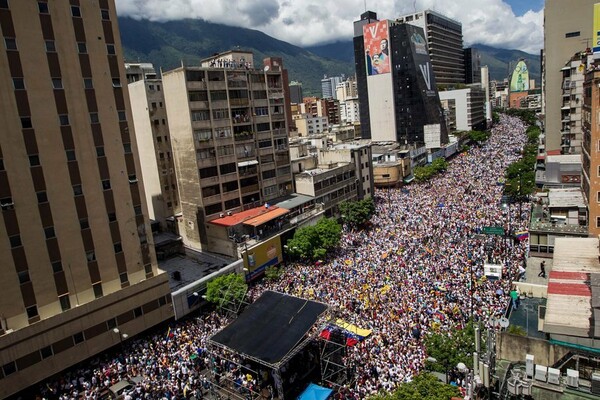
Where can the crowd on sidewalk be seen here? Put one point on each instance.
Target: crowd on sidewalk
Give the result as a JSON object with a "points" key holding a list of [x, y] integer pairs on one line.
{"points": [[418, 268]]}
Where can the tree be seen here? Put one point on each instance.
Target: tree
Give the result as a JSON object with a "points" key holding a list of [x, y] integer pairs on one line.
{"points": [[273, 273], [423, 387], [478, 136], [225, 289], [357, 213], [450, 349], [314, 242]]}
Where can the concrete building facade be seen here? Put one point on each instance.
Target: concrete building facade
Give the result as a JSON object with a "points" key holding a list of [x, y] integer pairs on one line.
{"points": [[445, 44], [590, 177], [566, 27], [154, 141], [229, 129], [77, 261], [467, 106]]}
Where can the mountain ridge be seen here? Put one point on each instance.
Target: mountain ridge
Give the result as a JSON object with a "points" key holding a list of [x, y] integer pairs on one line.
{"points": [[169, 44]]}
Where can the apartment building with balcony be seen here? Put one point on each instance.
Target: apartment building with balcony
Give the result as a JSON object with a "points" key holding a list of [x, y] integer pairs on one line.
{"points": [[229, 134], [590, 177], [573, 76], [465, 107]]}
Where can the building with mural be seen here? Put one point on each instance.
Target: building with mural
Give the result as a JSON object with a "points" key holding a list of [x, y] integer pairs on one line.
{"points": [[398, 95], [519, 84]]}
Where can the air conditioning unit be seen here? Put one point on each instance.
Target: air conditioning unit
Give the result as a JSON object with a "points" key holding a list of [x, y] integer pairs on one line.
{"points": [[541, 373], [229, 213], [595, 388], [221, 215], [554, 376], [529, 365], [572, 378]]}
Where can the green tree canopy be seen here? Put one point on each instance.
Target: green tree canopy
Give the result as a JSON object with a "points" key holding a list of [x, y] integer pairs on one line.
{"points": [[225, 289], [313, 242], [357, 213], [423, 387], [427, 172], [449, 350], [479, 136]]}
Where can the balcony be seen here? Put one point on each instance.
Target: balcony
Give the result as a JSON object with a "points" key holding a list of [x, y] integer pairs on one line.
{"points": [[229, 177], [265, 150], [199, 105], [249, 189], [209, 181], [226, 159], [241, 119], [216, 85], [280, 132], [248, 171], [269, 182], [244, 136], [234, 194], [207, 162], [211, 199], [284, 178], [239, 102], [196, 85], [280, 161], [278, 116]]}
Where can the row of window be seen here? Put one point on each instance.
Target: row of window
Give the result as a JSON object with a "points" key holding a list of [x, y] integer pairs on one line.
{"points": [[10, 43], [80, 337], [63, 119], [19, 83]]}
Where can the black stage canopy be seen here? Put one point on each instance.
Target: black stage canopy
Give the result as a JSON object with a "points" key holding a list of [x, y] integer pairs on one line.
{"points": [[271, 327]]}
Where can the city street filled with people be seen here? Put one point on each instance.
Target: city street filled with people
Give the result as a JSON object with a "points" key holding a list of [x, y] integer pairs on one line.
{"points": [[417, 268]]}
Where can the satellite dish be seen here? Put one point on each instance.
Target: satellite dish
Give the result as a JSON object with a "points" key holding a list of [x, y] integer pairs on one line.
{"points": [[266, 68], [503, 322]]}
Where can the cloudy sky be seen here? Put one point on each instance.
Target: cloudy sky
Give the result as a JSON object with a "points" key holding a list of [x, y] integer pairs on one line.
{"points": [[513, 24]]}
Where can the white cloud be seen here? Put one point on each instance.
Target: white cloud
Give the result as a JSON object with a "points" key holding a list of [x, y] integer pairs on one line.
{"points": [[310, 22]]}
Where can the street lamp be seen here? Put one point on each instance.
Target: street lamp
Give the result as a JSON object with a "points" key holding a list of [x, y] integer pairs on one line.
{"points": [[122, 336]]}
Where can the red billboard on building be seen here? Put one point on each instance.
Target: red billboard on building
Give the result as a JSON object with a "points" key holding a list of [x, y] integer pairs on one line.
{"points": [[377, 56]]}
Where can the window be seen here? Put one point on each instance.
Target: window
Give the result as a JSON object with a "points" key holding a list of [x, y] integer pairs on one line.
{"points": [[49, 232], [50, 46], [159, 139], [23, 277], [78, 337], [572, 34], [97, 289], [123, 277], [75, 11], [111, 324], [106, 184], [90, 256], [34, 160], [32, 312], [94, 118], [4, 4], [15, 241], [46, 352], [112, 217], [88, 83], [148, 270], [9, 368], [65, 302], [43, 7], [70, 155], [6, 203], [57, 83], [81, 48], [100, 151], [137, 312], [57, 266], [26, 123], [137, 210], [18, 83], [77, 190], [122, 116], [202, 115], [105, 15], [84, 223], [63, 119], [158, 87], [10, 43], [127, 148], [110, 49], [118, 247], [132, 178], [221, 113], [116, 82], [1, 164]]}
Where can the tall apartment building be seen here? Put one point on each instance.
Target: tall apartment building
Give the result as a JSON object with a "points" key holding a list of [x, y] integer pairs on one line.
{"points": [[467, 106], [154, 141], [76, 261], [229, 130], [444, 42], [472, 60], [590, 177], [347, 95], [316, 107], [328, 85], [567, 26], [296, 92], [572, 101], [396, 82]]}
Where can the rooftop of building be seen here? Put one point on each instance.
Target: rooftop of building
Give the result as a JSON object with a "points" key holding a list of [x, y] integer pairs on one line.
{"points": [[292, 201], [353, 145], [573, 306], [321, 169], [563, 158], [566, 198], [254, 216], [191, 266]]}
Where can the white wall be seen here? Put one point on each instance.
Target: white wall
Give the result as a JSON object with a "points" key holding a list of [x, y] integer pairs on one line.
{"points": [[381, 107]]}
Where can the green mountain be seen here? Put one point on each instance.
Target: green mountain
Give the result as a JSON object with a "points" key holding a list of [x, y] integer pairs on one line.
{"points": [[168, 44]]}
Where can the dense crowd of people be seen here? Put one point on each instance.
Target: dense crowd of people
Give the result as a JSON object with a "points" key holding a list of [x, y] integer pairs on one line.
{"points": [[418, 268]]}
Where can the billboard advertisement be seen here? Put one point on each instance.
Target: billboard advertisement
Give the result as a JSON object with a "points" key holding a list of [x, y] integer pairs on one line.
{"points": [[520, 78], [376, 41], [264, 255]]}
